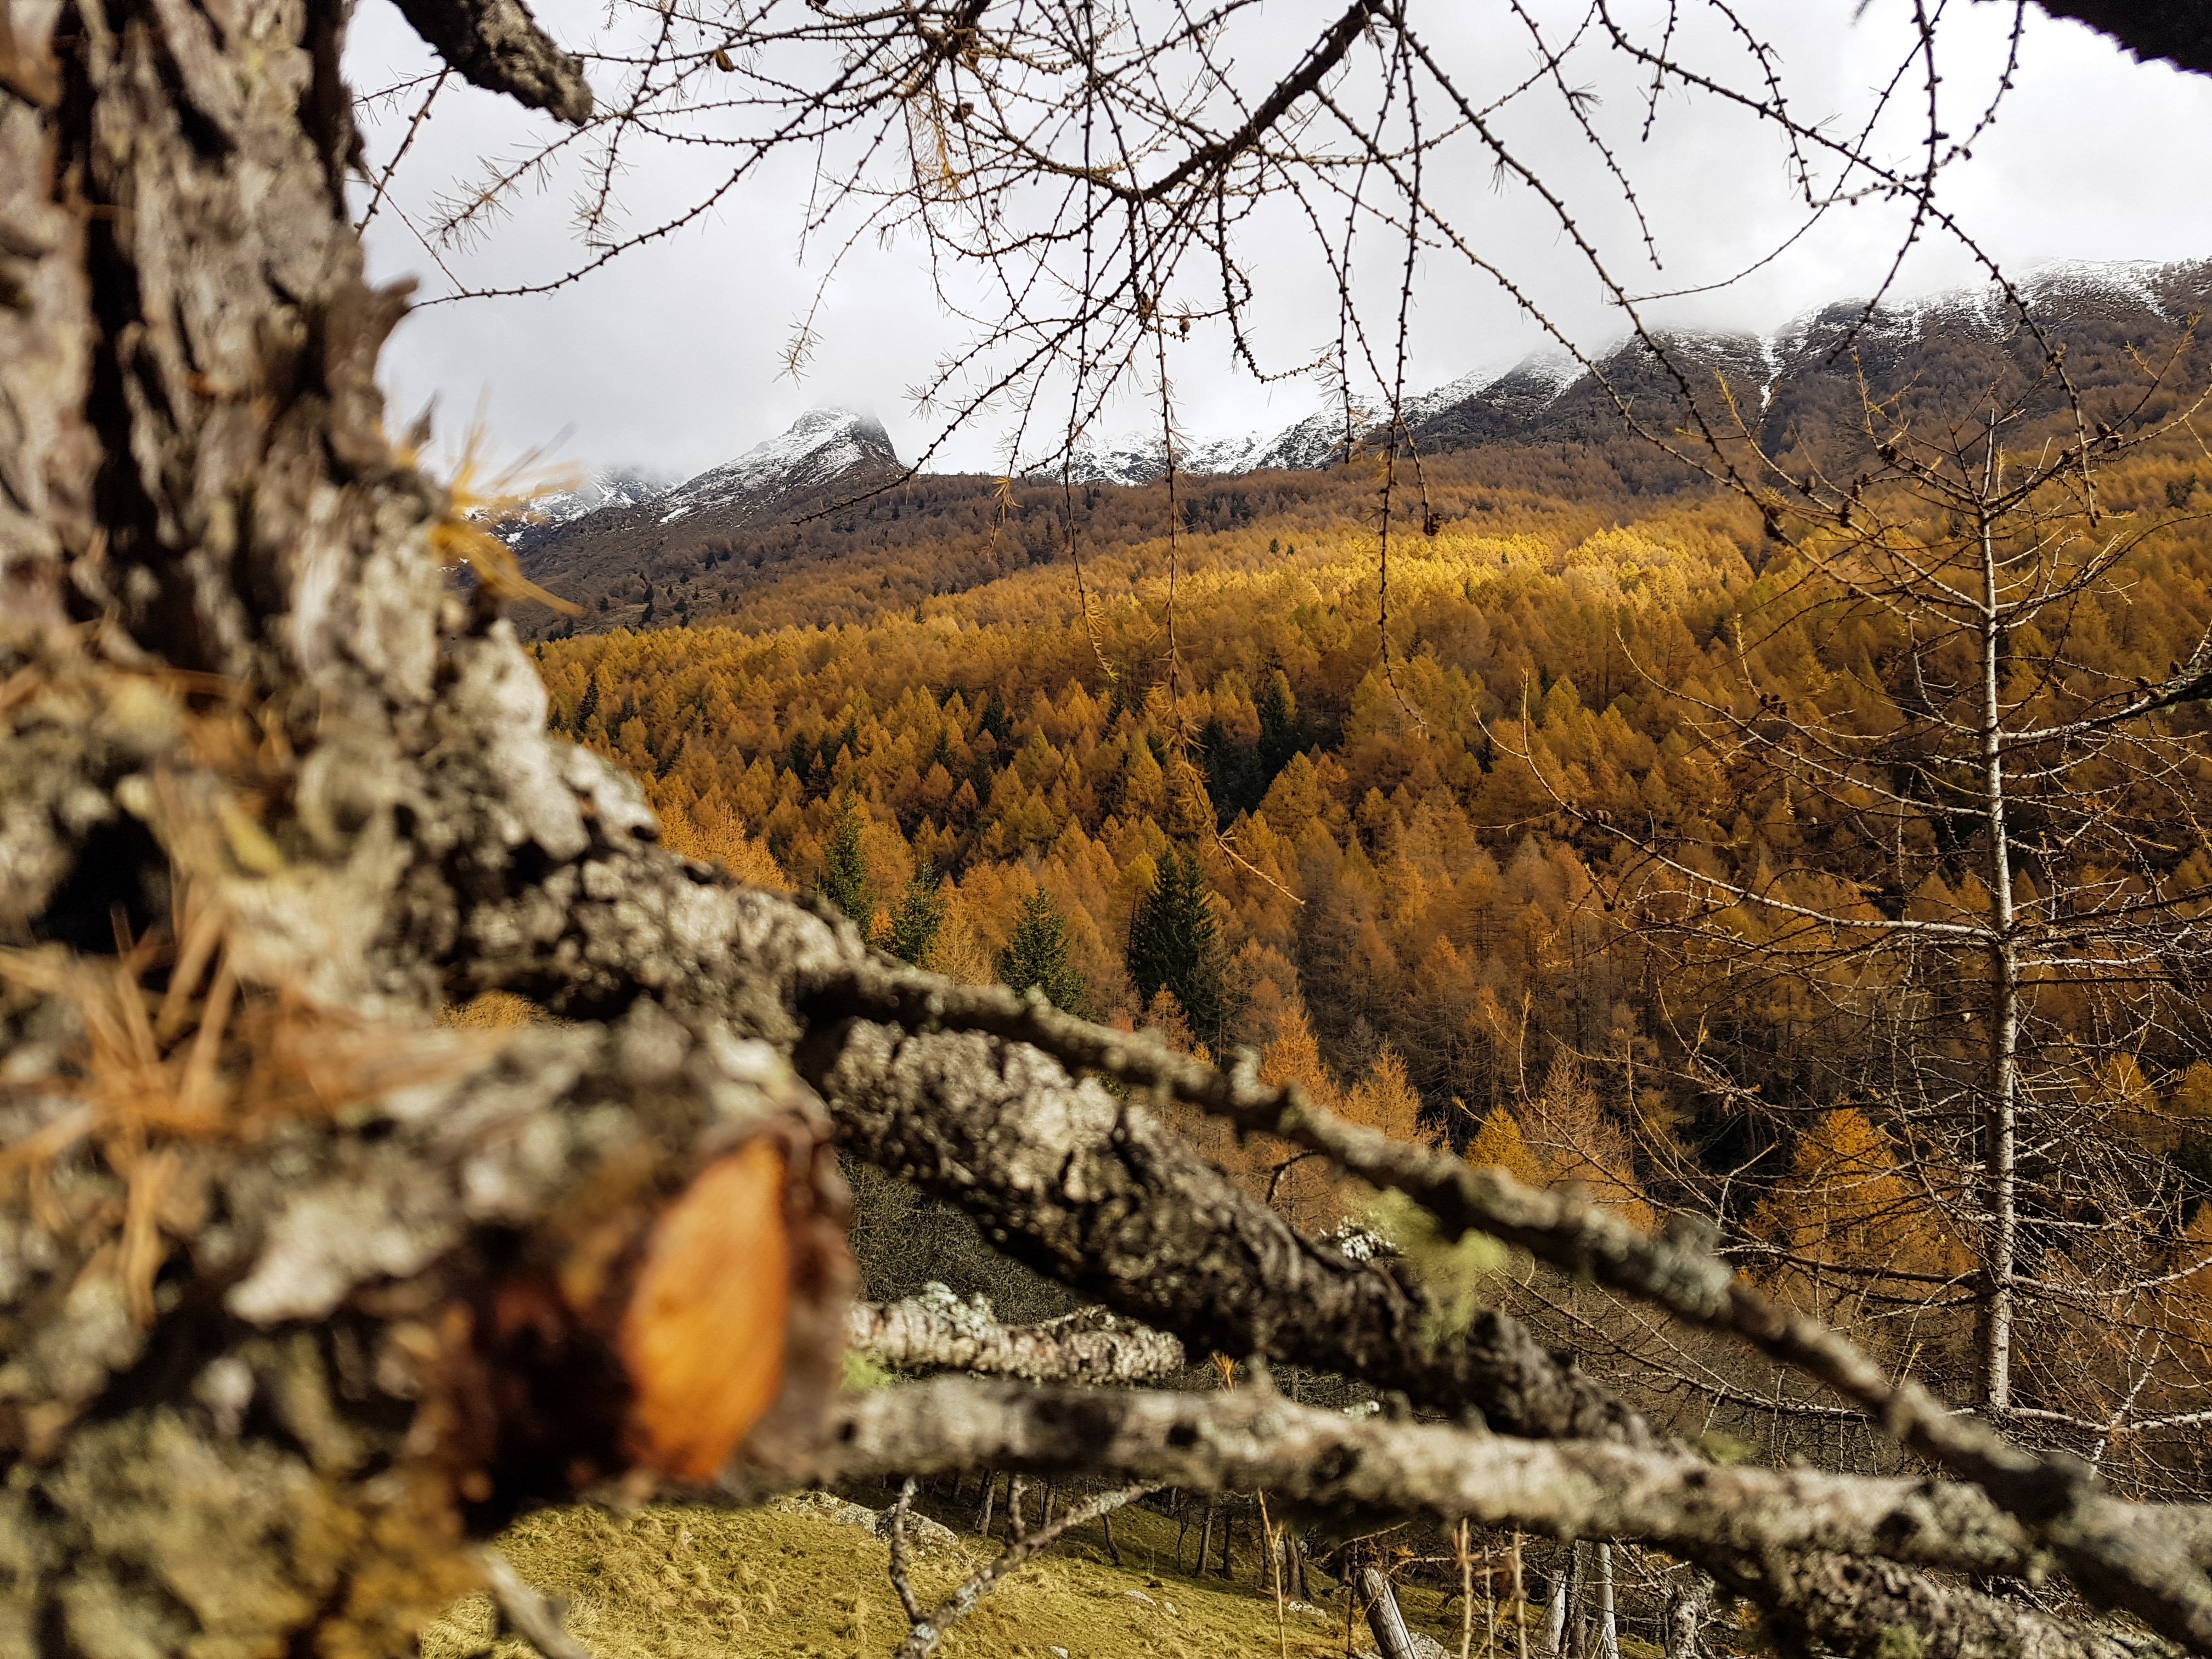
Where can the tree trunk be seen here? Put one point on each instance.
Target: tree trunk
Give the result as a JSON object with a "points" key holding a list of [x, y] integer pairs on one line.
{"points": [[983, 1515], [2001, 1128], [307, 1292], [1689, 1603], [1565, 1588], [1392, 1639], [1608, 1632]]}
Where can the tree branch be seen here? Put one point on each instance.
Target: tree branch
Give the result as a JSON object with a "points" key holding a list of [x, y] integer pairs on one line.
{"points": [[498, 46], [937, 1331], [2094, 1534], [1744, 1523], [1092, 1191], [925, 1630], [527, 1611], [2179, 31]]}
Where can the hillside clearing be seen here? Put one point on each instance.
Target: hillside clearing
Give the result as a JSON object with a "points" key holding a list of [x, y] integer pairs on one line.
{"points": [[675, 1582]]}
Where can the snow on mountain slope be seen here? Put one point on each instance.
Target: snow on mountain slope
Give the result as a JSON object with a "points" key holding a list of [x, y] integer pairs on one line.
{"points": [[2059, 282], [616, 487], [2057, 290], [819, 447], [1316, 440], [826, 444]]}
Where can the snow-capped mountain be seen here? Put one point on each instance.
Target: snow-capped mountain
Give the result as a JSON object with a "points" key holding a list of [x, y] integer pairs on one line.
{"points": [[616, 487], [1554, 384], [820, 447], [1318, 439], [638, 533], [830, 495], [1315, 441]]}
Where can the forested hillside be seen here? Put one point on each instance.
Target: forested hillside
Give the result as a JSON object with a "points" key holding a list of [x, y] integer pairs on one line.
{"points": [[1402, 875]]}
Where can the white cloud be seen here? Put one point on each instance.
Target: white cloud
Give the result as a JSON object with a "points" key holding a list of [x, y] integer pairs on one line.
{"points": [[670, 358]]}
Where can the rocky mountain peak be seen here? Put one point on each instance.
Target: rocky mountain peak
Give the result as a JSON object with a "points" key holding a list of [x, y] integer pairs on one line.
{"points": [[822, 445]]}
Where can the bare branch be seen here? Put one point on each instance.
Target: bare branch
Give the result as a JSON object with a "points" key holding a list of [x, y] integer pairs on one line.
{"points": [[937, 1331], [1802, 1525]]}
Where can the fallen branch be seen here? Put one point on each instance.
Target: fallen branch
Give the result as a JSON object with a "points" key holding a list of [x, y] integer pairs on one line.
{"points": [[925, 1630], [527, 1611], [937, 1331], [1800, 1539], [1087, 1189], [1253, 1439]]}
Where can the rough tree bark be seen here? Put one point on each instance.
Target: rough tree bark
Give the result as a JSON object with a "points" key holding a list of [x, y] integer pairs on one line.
{"points": [[937, 1331]]}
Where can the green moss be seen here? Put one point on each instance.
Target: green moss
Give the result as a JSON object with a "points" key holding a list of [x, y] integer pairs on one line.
{"points": [[862, 1371], [700, 1583], [1457, 1277]]}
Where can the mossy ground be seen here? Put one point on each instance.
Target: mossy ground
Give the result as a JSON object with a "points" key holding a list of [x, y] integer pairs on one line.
{"points": [[671, 1583]]}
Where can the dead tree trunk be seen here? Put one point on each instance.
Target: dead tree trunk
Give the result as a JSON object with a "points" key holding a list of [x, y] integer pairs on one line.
{"points": [[1566, 1584], [1392, 1639], [1608, 1629], [1688, 1605]]}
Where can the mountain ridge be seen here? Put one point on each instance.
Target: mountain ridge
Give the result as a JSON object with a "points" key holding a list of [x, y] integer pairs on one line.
{"points": [[1545, 423]]}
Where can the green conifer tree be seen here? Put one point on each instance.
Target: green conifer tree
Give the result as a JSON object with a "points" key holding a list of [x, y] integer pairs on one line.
{"points": [[1233, 782], [1037, 955], [1279, 727], [1173, 943], [843, 876], [918, 917]]}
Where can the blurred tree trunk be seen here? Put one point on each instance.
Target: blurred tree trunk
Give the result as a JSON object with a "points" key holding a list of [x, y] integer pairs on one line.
{"points": [[297, 1291]]}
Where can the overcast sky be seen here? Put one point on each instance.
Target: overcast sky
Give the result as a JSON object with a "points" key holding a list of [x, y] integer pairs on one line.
{"points": [[670, 359]]}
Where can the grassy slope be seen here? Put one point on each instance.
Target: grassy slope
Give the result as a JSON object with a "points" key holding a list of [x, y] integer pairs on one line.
{"points": [[674, 1583]]}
